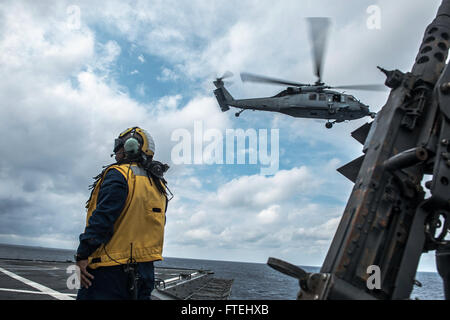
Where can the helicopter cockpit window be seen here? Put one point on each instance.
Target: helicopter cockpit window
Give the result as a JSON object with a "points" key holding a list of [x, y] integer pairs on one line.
{"points": [[322, 97], [350, 98], [313, 96], [336, 98]]}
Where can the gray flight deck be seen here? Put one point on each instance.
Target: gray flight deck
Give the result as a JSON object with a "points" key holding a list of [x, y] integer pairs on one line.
{"points": [[49, 280]]}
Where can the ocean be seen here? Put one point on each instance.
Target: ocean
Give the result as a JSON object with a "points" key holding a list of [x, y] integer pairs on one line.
{"points": [[252, 281]]}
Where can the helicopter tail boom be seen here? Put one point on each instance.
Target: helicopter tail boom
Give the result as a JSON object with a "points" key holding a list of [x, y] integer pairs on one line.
{"points": [[223, 98]]}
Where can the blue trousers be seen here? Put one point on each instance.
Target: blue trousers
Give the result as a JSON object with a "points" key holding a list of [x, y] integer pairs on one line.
{"points": [[111, 283]]}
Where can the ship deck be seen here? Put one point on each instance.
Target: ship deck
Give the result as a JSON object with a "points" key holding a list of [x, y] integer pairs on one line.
{"points": [[51, 280]]}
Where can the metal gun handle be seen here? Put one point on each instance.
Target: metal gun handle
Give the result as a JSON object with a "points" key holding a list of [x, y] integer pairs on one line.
{"points": [[313, 285], [287, 268]]}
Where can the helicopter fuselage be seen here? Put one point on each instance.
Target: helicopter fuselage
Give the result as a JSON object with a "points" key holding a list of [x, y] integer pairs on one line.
{"points": [[325, 104]]}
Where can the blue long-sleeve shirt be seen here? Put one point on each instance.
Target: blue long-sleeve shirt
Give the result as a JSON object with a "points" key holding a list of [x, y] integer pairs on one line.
{"points": [[110, 203]]}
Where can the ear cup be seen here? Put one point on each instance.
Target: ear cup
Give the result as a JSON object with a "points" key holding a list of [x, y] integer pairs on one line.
{"points": [[131, 146]]}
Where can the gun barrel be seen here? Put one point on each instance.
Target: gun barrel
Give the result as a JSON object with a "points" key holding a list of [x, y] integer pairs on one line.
{"points": [[433, 51], [406, 159]]}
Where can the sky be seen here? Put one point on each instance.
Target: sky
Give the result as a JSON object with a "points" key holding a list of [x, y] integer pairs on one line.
{"points": [[77, 73]]}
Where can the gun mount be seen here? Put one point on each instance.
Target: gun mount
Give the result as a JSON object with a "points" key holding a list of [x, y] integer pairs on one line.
{"points": [[388, 222]]}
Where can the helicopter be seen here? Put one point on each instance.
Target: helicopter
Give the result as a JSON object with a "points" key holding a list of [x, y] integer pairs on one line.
{"points": [[300, 100]]}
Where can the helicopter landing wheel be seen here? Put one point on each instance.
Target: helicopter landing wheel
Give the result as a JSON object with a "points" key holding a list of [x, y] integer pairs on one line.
{"points": [[328, 125], [237, 114]]}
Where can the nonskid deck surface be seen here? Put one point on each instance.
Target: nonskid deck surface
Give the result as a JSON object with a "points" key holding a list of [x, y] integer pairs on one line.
{"points": [[48, 280]]}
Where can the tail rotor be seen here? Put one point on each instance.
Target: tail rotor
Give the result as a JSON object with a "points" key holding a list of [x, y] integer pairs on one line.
{"points": [[222, 95], [219, 81]]}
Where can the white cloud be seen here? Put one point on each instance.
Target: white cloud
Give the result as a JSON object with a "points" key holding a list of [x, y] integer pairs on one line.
{"points": [[140, 89], [193, 181], [324, 231], [30, 43], [269, 215], [108, 55], [273, 226], [167, 75], [259, 190], [168, 103], [199, 234]]}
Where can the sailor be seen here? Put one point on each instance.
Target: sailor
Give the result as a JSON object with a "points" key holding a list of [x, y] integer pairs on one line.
{"points": [[125, 223]]}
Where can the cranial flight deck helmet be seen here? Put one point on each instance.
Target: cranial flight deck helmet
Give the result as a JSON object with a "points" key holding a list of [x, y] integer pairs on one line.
{"points": [[139, 146], [135, 141]]}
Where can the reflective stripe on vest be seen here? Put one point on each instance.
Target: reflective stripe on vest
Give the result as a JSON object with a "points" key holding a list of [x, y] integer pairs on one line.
{"points": [[138, 171]]}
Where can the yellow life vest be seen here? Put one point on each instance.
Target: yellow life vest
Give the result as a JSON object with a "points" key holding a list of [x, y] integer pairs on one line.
{"points": [[140, 225]]}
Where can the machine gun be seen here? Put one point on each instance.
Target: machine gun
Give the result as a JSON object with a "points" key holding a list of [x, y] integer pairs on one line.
{"points": [[388, 221]]}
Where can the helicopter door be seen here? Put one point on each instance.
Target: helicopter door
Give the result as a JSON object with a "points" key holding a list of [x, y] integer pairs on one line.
{"points": [[312, 96], [330, 103]]}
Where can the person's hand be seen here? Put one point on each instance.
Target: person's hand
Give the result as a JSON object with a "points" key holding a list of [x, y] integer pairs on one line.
{"points": [[85, 277]]}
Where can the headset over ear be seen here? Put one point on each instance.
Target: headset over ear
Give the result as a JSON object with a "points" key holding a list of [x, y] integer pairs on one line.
{"points": [[139, 146], [131, 147]]}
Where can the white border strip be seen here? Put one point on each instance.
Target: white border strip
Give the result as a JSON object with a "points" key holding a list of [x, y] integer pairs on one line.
{"points": [[40, 287], [32, 292]]}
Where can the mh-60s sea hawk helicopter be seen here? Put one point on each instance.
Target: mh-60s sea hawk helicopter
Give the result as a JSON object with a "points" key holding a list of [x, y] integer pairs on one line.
{"points": [[303, 100]]}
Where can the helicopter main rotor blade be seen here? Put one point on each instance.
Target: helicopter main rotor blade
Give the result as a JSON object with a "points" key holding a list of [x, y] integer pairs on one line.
{"points": [[263, 79], [318, 32], [366, 87]]}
